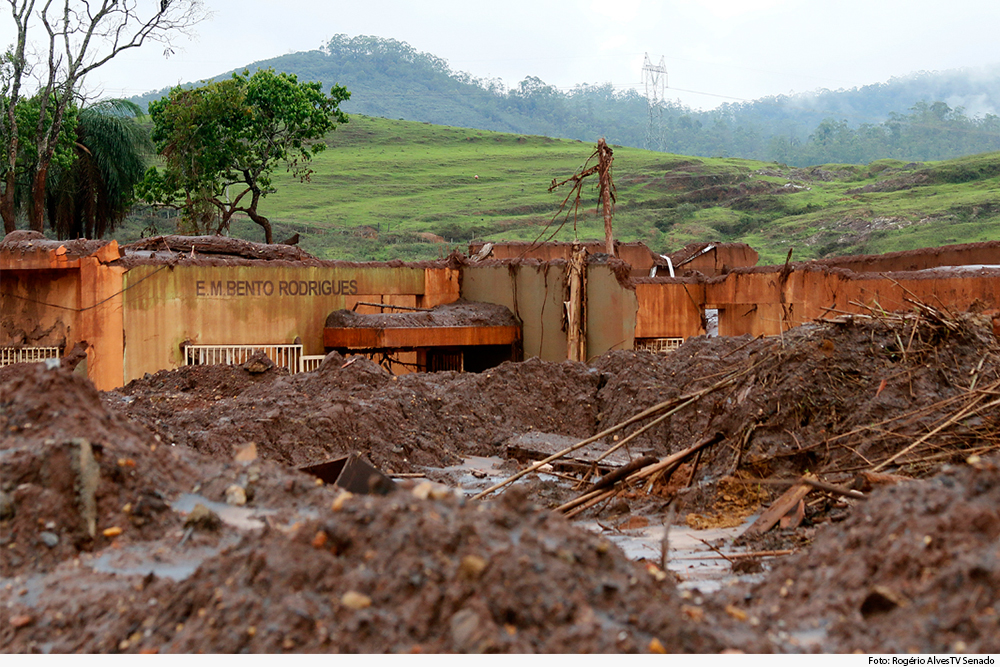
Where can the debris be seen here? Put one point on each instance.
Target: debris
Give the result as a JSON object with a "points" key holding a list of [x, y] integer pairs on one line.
{"points": [[202, 518], [7, 510], [785, 503], [355, 600], [353, 474]]}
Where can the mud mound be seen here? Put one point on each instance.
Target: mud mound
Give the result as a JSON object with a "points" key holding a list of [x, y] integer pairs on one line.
{"points": [[915, 569], [199, 382], [398, 422], [74, 475], [834, 398], [400, 574]]}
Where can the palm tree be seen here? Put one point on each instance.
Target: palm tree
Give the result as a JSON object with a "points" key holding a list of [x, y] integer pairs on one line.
{"points": [[91, 197]]}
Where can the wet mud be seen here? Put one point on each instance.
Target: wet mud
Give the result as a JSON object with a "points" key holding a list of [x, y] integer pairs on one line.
{"points": [[169, 516]]}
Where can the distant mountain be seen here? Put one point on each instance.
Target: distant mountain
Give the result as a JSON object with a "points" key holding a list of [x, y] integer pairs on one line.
{"points": [[924, 116]]}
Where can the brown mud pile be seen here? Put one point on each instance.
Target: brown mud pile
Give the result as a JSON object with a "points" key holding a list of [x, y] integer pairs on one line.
{"points": [[109, 550], [916, 568], [455, 314], [829, 398], [292, 565], [397, 422]]}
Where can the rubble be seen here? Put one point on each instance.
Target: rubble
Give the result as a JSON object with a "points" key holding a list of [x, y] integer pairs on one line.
{"points": [[189, 527]]}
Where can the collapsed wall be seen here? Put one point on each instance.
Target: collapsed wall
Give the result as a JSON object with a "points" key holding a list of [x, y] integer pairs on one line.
{"points": [[145, 307]]}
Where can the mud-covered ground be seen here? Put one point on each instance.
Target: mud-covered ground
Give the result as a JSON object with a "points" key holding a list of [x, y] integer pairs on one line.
{"points": [[169, 516]]}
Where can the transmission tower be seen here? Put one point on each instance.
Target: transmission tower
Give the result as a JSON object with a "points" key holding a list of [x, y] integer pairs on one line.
{"points": [[655, 79]]}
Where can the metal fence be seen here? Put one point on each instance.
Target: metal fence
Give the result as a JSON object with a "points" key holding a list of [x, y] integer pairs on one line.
{"points": [[311, 362], [661, 345], [18, 355], [286, 356]]}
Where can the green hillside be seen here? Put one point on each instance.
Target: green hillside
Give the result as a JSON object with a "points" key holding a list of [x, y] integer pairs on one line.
{"points": [[382, 184], [924, 116]]}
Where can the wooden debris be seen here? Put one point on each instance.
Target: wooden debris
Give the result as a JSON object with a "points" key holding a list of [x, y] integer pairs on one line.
{"points": [[661, 410], [866, 480], [664, 466], [788, 500]]}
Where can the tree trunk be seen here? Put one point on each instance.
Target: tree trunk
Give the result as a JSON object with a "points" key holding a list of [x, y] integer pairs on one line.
{"points": [[37, 212], [7, 205], [259, 219], [604, 158]]}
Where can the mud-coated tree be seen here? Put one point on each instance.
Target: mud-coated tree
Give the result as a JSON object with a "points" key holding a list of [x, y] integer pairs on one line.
{"points": [[221, 142]]}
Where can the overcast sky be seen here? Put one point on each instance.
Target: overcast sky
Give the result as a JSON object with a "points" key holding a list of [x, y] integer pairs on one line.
{"points": [[714, 50]]}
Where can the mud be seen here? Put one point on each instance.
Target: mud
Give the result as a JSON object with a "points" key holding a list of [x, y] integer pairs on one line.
{"points": [[168, 516], [455, 314]]}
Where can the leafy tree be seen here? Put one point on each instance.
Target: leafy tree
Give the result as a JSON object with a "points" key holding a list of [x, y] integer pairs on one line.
{"points": [[92, 196], [77, 37], [16, 174], [221, 142]]}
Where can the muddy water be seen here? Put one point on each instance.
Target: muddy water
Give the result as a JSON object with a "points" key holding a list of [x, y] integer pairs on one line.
{"points": [[699, 566]]}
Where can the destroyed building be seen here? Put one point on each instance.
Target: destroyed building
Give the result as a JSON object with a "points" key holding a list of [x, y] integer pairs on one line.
{"points": [[165, 302]]}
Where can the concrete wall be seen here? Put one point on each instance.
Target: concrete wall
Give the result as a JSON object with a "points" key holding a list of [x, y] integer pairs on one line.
{"points": [[635, 253], [257, 304], [963, 254], [51, 298], [611, 312], [669, 308], [767, 301], [713, 259], [534, 292], [136, 319]]}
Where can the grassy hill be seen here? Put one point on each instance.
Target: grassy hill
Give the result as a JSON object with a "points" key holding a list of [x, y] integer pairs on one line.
{"points": [[385, 188], [923, 116]]}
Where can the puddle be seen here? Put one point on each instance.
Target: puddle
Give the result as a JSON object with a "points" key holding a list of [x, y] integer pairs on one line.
{"points": [[176, 564], [475, 473], [700, 567], [243, 518]]}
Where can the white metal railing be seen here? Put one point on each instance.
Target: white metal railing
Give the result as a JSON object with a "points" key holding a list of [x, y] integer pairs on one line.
{"points": [[311, 362], [662, 345], [18, 355], [286, 356]]}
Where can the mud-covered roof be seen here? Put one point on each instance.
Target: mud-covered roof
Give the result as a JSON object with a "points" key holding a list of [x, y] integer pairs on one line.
{"points": [[457, 314], [24, 242], [223, 251]]}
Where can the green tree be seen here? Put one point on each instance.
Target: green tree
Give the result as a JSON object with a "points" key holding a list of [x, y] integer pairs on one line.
{"points": [[221, 142], [16, 173], [90, 197], [74, 37]]}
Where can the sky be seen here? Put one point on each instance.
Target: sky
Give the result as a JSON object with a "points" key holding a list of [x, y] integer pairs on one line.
{"points": [[714, 51]]}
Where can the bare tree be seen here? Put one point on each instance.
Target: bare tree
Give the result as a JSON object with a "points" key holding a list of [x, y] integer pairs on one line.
{"points": [[79, 37], [14, 66]]}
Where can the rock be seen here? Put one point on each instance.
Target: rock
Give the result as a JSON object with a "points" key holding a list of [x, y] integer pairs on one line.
{"points": [[6, 506], [355, 600], [236, 495], [49, 539], [203, 518], [472, 630], [258, 363], [471, 567]]}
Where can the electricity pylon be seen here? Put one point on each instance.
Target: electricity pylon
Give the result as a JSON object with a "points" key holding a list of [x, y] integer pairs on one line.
{"points": [[655, 79]]}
